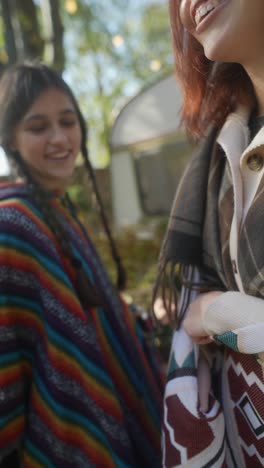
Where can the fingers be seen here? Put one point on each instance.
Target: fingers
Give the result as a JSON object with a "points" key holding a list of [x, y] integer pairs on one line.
{"points": [[202, 340], [194, 322], [161, 312]]}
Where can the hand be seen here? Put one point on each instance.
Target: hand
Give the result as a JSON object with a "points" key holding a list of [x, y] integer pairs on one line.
{"points": [[161, 313], [194, 320]]}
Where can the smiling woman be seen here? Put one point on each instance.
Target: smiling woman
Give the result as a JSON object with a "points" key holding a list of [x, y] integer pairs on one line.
{"points": [[223, 26], [79, 385], [48, 138], [214, 405], [203, 10]]}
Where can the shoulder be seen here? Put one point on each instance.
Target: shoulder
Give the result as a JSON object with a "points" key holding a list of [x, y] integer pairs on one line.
{"points": [[15, 206], [12, 194], [204, 148], [9, 188], [208, 140], [17, 210], [22, 224]]}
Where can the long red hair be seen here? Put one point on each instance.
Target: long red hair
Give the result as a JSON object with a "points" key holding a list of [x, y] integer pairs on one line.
{"points": [[211, 90]]}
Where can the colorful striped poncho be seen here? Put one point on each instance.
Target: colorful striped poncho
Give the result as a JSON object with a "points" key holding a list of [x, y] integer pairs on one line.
{"points": [[76, 387]]}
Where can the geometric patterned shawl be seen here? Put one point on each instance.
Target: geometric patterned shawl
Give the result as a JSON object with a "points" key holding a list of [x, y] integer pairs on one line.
{"points": [[195, 238], [78, 388], [194, 235]]}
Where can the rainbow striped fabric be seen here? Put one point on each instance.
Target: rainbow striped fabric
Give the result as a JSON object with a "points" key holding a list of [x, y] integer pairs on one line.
{"points": [[77, 388]]}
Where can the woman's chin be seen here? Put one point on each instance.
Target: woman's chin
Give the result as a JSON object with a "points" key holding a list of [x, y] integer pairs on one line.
{"points": [[220, 51]]}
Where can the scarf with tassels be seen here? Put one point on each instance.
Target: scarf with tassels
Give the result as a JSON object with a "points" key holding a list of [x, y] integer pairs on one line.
{"points": [[197, 241], [183, 241]]}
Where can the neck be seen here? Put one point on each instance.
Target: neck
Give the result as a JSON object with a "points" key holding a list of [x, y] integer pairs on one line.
{"points": [[256, 74]]}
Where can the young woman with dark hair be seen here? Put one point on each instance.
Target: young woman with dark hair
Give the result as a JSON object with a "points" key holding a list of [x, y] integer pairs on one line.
{"points": [[76, 386], [214, 405]]}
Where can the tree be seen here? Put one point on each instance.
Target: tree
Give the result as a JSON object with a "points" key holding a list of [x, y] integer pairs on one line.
{"points": [[104, 75], [31, 32], [108, 57], [9, 33], [53, 33]]}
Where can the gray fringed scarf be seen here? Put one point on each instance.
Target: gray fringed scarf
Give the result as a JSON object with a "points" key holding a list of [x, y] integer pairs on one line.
{"points": [[196, 237]]}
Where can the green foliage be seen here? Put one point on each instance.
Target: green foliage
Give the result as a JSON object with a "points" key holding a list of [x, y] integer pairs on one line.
{"points": [[139, 257], [104, 76], [3, 54], [31, 30]]}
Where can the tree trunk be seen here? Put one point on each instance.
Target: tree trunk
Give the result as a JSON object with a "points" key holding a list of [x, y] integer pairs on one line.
{"points": [[7, 7], [53, 32], [21, 30], [29, 43]]}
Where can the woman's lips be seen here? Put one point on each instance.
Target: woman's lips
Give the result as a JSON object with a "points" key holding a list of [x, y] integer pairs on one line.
{"points": [[58, 156], [203, 9], [203, 12]]}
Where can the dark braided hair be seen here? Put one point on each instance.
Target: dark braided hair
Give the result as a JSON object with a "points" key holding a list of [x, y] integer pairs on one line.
{"points": [[20, 85], [121, 275]]}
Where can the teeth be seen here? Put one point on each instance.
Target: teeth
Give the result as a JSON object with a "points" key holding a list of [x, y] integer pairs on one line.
{"points": [[203, 10], [58, 155]]}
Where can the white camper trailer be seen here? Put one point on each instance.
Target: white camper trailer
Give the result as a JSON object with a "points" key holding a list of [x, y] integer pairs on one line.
{"points": [[149, 153]]}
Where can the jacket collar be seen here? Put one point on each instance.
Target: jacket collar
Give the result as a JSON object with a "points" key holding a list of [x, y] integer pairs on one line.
{"points": [[234, 138]]}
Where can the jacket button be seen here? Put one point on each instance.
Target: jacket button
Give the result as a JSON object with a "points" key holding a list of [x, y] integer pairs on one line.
{"points": [[255, 162]]}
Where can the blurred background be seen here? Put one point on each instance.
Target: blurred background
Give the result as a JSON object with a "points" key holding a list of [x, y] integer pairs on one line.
{"points": [[117, 57]]}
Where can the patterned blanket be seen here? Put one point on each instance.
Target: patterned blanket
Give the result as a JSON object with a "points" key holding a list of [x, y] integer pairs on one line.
{"points": [[78, 388], [195, 237], [190, 437]]}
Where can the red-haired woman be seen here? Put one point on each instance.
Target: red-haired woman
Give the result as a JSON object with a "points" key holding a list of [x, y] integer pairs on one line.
{"points": [[214, 404]]}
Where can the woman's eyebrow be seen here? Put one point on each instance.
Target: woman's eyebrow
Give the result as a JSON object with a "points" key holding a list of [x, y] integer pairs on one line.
{"points": [[68, 111], [31, 117]]}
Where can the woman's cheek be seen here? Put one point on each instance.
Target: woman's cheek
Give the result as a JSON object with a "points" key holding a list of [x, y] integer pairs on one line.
{"points": [[185, 16]]}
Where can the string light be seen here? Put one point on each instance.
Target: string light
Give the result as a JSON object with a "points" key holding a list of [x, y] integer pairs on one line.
{"points": [[118, 40], [155, 65], [71, 6]]}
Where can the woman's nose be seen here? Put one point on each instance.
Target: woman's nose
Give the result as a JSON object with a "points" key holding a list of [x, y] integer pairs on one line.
{"points": [[58, 135]]}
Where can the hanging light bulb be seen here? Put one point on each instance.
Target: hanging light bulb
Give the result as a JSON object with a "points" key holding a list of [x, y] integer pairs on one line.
{"points": [[117, 40], [71, 6], [155, 65]]}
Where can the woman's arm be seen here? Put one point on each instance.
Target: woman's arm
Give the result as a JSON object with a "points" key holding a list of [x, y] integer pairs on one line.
{"points": [[234, 318], [232, 310], [19, 311]]}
